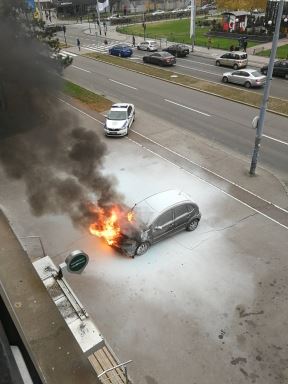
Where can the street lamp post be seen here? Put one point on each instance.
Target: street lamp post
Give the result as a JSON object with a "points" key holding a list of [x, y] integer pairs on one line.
{"points": [[260, 122], [192, 24]]}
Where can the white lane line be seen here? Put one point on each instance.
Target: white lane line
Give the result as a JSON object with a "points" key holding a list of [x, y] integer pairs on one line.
{"points": [[69, 53], [199, 70], [196, 62], [124, 85], [216, 174], [272, 138], [79, 110], [184, 106], [81, 69], [198, 165]]}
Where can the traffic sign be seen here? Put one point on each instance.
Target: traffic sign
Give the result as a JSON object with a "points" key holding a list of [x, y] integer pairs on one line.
{"points": [[76, 261]]}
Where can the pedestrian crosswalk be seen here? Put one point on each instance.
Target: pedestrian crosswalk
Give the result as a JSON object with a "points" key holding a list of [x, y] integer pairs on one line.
{"points": [[101, 47]]}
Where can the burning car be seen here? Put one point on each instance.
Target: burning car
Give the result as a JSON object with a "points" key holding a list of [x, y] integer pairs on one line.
{"points": [[149, 221]]}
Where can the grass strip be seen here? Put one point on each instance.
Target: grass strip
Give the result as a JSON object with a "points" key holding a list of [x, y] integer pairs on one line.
{"points": [[282, 52], [241, 95], [178, 31], [92, 100]]}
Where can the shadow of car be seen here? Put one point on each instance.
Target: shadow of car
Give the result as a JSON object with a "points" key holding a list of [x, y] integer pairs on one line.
{"points": [[155, 218], [160, 58], [280, 69], [121, 50]]}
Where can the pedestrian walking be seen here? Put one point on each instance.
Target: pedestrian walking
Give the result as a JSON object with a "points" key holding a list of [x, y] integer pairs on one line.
{"points": [[245, 43], [209, 42], [78, 43], [133, 41], [81, 19], [50, 19]]}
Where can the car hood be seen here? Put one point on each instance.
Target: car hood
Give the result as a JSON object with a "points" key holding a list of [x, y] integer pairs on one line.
{"points": [[115, 124]]}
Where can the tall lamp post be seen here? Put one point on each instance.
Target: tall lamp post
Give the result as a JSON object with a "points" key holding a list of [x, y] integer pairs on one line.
{"points": [[260, 121], [192, 24]]}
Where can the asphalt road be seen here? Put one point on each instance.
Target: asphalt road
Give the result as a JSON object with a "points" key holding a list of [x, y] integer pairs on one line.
{"points": [[193, 65], [202, 307], [224, 123]]}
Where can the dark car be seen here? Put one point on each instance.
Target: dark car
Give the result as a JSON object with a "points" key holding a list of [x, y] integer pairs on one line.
{"points": [[160, 58], [155, 218], [280, 69], [122, 50], [179, 50]]}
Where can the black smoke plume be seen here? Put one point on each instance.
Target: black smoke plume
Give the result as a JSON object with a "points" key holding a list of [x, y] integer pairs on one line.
{"points": [[41, 142]]}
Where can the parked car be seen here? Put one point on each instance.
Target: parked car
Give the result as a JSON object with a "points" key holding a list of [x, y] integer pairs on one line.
{"points": [[148, 45], [179, 50], [280, 69], [158, 12], [160, 58], [155, 218], [119, 119], [248, 77], [122, 50], [233, 59]]}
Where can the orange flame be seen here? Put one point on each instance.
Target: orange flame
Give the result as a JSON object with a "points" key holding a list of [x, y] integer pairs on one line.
{"points": [[130, 216], [107, 226]]}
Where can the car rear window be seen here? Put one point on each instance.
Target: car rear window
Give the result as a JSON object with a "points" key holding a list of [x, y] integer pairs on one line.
{"points": [[256, 74]]}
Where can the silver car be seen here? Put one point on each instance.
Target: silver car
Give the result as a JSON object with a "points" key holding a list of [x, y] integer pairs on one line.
{"points": [[148, 45], [233, 59], [247, 77], [119, 119], [155, 218]]}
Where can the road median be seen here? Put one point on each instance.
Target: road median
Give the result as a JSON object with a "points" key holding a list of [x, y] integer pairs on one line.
{"points": [[243, 96]]}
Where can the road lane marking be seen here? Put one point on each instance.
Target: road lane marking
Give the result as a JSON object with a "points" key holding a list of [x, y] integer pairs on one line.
{"points": [[79, 110], [124, 85], [273, 138], [69, 53], [196, 62], [81, 69], [191, 173], [184, 106], [198, 70]]}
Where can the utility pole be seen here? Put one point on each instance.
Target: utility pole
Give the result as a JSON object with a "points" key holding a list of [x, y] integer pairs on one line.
{"points": [[98, 17], [192, 23], [260, 123]]}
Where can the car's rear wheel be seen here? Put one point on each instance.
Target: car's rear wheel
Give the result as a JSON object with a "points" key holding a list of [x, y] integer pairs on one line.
{"points": [[218, 63], [286, 76], [192, 225], [247, 84], [142, 248], [225, 79], [235, 66]]}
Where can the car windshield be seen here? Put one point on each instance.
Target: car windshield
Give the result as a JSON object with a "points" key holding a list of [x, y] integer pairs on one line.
{"points": [[256, 74], [117, 115]]}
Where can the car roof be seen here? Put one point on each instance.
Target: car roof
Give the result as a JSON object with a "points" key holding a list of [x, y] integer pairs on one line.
{"points": [[148, 209], [120, 106]]}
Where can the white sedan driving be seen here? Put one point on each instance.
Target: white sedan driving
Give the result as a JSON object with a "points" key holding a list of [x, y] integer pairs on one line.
{"points": [[119, 119]]}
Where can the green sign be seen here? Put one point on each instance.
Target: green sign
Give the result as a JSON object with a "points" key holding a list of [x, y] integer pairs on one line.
{"points": [[76, 261]]}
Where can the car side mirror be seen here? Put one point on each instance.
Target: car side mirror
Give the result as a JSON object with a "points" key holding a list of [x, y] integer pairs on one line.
{"points": [[159, 227]]}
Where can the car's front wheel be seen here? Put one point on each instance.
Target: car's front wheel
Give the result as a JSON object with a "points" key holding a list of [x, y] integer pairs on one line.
{"points": [[235, 66], [286, 76], [192, 225], [218, 63], [142, 248], [225, 79]]}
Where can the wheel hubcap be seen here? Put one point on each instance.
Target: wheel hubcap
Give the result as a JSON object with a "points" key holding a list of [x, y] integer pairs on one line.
{"points": [[193, 225]]}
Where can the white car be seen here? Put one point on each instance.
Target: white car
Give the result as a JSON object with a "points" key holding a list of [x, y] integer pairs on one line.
{"points": [[119, 119], [158, 12], [148, 45]]}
